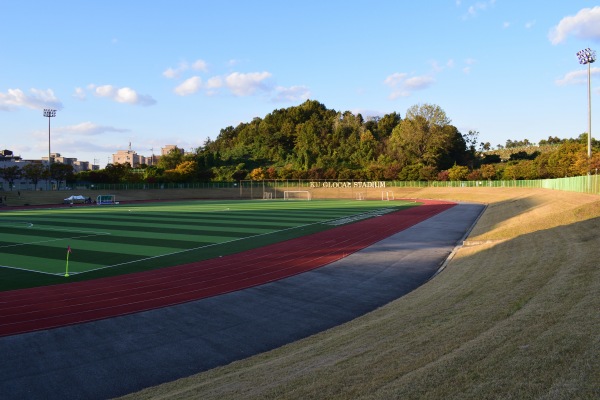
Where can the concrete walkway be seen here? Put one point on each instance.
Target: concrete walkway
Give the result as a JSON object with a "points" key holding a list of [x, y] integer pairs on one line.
{"points": [[113, 357]]}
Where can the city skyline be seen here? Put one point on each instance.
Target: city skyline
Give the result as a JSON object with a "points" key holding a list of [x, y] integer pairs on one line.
{"points": [[177, 73]]}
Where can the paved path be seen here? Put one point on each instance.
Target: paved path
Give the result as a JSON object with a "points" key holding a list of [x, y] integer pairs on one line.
{"points": [[116, 356]]}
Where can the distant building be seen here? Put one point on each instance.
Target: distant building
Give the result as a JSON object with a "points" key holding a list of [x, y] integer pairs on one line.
{"points": [[77, 165], [8, 159], [136, 160], [130, 157], [167, 149]]}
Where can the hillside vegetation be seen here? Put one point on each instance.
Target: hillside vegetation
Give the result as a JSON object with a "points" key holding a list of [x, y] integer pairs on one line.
{"points": [[515, 315], [310, 141]]}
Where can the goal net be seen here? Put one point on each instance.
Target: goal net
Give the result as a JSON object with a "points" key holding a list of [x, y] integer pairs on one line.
{"points": [[267, 195], [360, 196], [387, 196], [297, 195], [106, 199]]}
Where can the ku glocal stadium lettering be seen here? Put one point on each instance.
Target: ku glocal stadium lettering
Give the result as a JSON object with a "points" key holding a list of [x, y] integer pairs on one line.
{"points": [[347, 184]]}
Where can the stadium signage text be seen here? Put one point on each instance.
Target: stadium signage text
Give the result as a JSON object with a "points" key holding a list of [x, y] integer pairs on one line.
{"points": [[347, 184]]}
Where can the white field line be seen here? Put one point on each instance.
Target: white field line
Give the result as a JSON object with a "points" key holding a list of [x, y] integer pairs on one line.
{"points": [[365, 215], [30, 270], [30, 226], [369, 213]]}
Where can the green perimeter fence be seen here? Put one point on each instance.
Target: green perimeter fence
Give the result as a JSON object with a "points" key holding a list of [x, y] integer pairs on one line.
{"points": [[583, 184]]}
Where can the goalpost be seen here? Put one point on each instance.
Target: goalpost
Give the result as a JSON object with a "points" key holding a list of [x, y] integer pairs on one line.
{"points": [[106, 199], [267, 195], [360, 196], [297, 195], [387, 196]]}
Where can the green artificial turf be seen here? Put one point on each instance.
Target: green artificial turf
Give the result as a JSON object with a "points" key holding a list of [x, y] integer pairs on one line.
{"points": [[119, 239]]}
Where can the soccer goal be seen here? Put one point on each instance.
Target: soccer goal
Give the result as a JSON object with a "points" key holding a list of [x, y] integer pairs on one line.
{"points": [[106, 199], [387, 196], [360, 196], [267, 195], [297, 195]]}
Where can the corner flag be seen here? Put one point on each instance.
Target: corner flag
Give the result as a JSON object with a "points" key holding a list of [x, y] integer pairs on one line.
{"points": [[67, 267]]}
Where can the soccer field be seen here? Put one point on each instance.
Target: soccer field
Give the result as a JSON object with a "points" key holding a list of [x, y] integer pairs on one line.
{"points": [[117, 239]]}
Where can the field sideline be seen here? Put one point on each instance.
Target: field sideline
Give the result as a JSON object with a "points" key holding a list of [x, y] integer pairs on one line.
{"points": [[125, 238], [514, 315]]}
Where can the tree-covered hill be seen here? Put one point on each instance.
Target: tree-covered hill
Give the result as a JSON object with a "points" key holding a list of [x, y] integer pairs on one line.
{"points": [[310, 141]]}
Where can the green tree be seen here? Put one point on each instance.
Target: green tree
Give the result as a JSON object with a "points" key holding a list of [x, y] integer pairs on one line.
{"points": [[411, 172], [488, 171], [187, 170], [115, 173], [10, 175], [34, 172], [424, 137], [458, 173], [565, 160], [257, 174], [60, 172], [386, 125], [170, 160], [153, 174]]}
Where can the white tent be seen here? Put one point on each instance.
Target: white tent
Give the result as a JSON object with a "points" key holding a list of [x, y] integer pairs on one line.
{"points": [[75, 199]]}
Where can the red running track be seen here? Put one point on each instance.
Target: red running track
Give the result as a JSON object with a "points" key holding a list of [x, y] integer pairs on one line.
{"points": [[47, 307]]}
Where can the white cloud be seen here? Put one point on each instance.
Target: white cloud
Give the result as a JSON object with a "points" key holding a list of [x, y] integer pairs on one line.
{"points": [[175, 72], [418, 82], [189, 86], [171, 73], [403, 86], [576, 77], [238, 83], [122, 95], [473, 10], [395, 79], [88, 129], [214, 83], [37, 99], [198, 65], [437, 67], [242, 84], [469, 62], [79, 93], [529, 24], [583, 25], [291, 94]]}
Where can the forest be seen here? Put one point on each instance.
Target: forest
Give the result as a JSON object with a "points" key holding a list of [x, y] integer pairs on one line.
{"points": [[310, 141]]}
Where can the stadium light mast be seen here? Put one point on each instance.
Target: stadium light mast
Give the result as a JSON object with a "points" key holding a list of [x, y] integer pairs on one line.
{"points": [[49, 113], [588, 56]]}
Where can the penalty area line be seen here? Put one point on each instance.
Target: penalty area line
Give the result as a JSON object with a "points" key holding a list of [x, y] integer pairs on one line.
{"points": [[55, 240], [34, 271]]}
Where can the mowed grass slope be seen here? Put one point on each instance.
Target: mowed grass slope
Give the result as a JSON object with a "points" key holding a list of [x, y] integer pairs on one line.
{"points": [[515, 315], [111, 240]]}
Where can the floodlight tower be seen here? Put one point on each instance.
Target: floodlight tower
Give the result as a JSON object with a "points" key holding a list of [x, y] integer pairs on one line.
{"points": [[588, 56], [49, 113]]}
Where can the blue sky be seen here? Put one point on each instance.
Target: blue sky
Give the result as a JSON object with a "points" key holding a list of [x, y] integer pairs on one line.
{"points": [[154, 73]]}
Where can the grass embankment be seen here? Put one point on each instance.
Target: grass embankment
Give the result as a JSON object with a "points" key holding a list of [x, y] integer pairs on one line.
{"points": [[516, 316]]}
